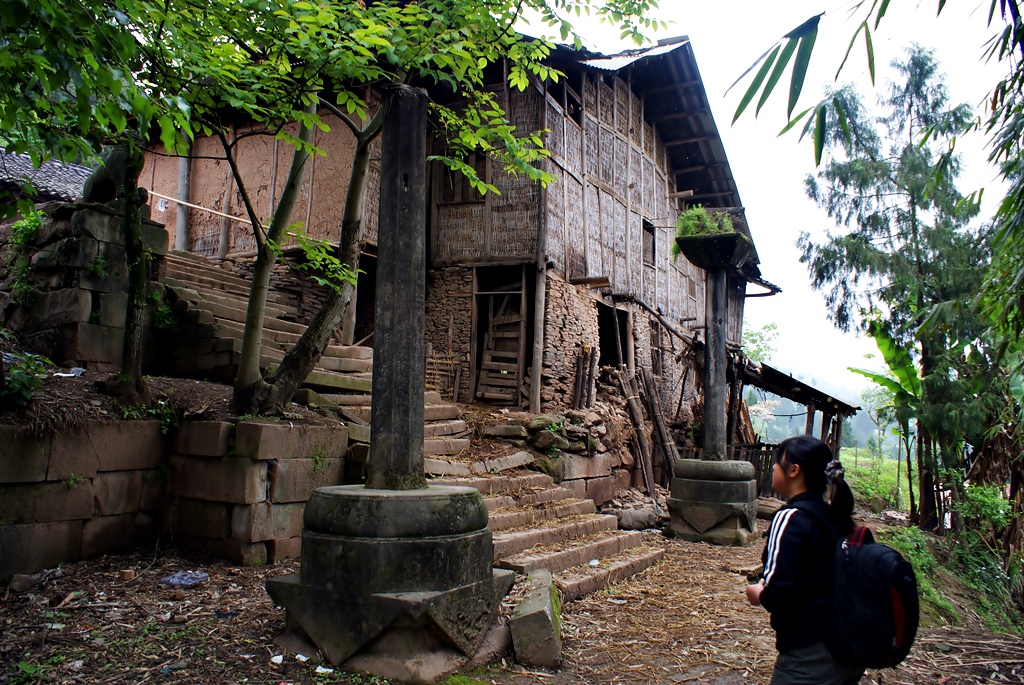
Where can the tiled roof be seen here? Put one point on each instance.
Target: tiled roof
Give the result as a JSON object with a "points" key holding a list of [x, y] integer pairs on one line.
{"points": [[53, 179]]}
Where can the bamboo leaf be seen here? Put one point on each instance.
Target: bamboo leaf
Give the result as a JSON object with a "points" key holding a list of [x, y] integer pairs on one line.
{"points": [[803, 58], [843, 123], [881, 13], [808, 27], [780, 66], [869, 46], [942, 3], [819, 135], [793, 122], [849, 48], [751, 67], [755, 84]]}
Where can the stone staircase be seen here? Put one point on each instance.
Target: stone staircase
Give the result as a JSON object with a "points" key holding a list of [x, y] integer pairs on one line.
{"points": [[210, 303], [537, 524]]}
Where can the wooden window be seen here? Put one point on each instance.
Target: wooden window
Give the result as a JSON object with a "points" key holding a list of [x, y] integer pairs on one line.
{"points": [[648, 242]]}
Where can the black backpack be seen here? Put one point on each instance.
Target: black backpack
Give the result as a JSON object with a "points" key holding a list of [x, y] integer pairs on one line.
{"points": [[875, 608]]}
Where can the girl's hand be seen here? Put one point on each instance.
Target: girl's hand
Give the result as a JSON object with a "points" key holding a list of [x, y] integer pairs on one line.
{"points": [[754, 593]]}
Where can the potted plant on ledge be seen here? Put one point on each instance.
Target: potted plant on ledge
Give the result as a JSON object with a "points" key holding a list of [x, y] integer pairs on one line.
{"points": [[708, 239]]}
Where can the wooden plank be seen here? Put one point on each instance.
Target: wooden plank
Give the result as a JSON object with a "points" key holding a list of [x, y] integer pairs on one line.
{"points": [[496, 366]]}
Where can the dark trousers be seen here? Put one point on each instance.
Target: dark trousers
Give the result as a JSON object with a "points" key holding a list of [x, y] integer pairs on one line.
{"points": [[813, 666]]}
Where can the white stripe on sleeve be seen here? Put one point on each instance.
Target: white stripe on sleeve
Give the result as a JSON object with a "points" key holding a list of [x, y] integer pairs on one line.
{"points": [[775, 541]]}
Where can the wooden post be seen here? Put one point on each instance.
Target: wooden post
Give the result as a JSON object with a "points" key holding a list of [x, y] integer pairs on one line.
{"points": [[396, 443], [541, 281], [838, 431], [715, 360], [809, 428], [735, 394], [667, 443], [181, 220]]}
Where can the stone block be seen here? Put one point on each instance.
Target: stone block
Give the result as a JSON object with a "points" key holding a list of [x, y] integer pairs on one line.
{"points": [[108, 534], [197, 518], [99, 225], [75, 252], [580, 466], [55, 308], [714, 490], [265, 521], [258, 440], [152, 490], [231, 479], [601, 490], [110, 446], [112, 307], [117, 492], [358, 433], [45, 502], [292, 480], [33, 547], [84, 342], [536, 623], [23, 459], [154, 237], [285, 548], [623, 480], [513, 431], [578, 487], [235, 551], [203, 438]]}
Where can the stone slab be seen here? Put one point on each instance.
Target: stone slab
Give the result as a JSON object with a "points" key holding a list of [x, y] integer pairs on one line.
{"points": [[23, 459], [235, 551], [293, 480], [558, 560], [229, 479], [106, 446], [108, 534], [714, 490], [46, 502], [512, 542], [536, 623], [33, 547], [265, 521], [445, 445], [85, 342], [112, 307], [613, 571], [117, 492], [285, 548], [197, 518], [513, 431], [579, 466], [601, 490], [506, 463], [259, 440], [440, 467], [203, 438], [578, 487]]}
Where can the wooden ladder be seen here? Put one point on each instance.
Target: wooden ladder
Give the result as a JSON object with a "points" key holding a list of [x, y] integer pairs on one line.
{"points": [[501, 365]]}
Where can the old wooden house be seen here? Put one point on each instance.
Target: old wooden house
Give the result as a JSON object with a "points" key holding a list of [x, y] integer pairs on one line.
{"points": [[546, 279]]}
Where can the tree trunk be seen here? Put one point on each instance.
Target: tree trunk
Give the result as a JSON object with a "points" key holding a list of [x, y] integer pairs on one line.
{"points": [[910, 484], [248, 378], [130, 380], [300, 360]]}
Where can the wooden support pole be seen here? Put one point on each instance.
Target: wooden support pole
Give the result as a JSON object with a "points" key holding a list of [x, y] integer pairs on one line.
{"points": [[809, 427], [636, 415], [715, 361], [667, 443]]}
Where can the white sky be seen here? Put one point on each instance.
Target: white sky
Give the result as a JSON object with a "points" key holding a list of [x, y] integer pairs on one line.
{"points": [[769, 171]]}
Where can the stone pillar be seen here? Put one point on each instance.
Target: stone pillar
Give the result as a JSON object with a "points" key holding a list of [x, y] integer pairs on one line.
{"points": [[714, 502], [396, 444], [715, 362]]}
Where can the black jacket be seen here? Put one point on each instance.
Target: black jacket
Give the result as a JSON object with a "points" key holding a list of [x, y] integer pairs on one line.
{"points": [[797, 573]]}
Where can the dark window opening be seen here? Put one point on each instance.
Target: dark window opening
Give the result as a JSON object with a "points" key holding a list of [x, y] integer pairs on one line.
{"points": [[455, 187], [648, 242], [612, 349], [656, 342]]}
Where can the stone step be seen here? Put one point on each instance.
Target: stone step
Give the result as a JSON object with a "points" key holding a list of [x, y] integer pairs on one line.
{"points": [[198, 294], [331, 380], [512, 484], [443, 467], [499, 502], [227, 313], [445, 446], [511, 542], [182, 277], [578, 581], [572, 552], [540, 496], [431, 412], [349, 400], [350, 352], [517, 517], [207, 270], [444, 428]]}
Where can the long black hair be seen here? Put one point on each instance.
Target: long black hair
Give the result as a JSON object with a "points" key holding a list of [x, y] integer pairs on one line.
{"points": [[820, 469]]}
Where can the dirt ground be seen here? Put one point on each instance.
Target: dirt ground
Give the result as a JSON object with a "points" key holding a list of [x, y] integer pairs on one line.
{"points": [[682, 621]]}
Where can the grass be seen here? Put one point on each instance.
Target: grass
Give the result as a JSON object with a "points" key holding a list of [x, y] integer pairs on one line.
{"points": [[873, 480]]}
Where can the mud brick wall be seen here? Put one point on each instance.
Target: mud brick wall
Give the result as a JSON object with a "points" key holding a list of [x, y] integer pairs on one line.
{"points": [[570, 323], [239, 492], [670, 378], [74, 310], [77, 495], [450, 301]]}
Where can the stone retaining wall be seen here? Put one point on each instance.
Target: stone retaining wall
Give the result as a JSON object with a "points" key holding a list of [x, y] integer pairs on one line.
{"points": [[450, 301], [235, 491], [570, 322]]}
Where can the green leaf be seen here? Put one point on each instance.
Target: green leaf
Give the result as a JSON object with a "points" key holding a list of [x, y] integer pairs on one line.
{"points": [[849, 48], [803, 58], [843, 123], [793, 122], [755, 84], [869, 46], [819, 134], [780, 66], [883, 8]]}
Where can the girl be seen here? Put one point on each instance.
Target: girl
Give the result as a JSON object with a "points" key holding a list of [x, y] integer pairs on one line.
{"points": [[796, 582]]}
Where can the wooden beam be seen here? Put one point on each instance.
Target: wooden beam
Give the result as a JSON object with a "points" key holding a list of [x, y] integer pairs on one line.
{"points": [[671, 87], [686, 141], [680, 115]]}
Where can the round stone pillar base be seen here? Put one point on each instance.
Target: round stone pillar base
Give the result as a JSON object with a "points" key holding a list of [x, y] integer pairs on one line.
{"points": [[398, 571], [714, 501]]}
